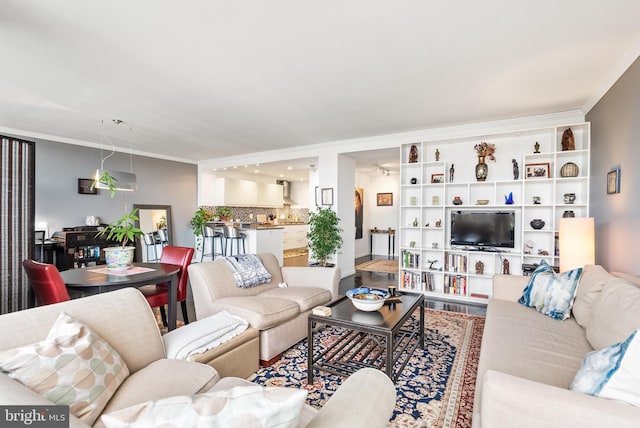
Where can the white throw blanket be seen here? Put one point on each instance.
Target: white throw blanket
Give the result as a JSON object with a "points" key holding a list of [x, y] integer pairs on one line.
{"points": [[202, 335]]}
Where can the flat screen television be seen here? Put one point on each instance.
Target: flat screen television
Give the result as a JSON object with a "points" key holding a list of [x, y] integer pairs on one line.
{"points": [[483, 229]]}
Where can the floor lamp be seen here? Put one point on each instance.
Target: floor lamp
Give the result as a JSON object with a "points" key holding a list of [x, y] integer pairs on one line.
{"points": [[576, 237]]}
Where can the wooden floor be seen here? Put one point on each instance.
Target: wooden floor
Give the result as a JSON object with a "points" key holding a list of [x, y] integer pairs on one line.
{"points": [[383, 280]]}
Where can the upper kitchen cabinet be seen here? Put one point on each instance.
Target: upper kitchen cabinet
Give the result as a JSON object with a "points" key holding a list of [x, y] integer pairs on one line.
{"points": [[269, 195], [241, 193]]}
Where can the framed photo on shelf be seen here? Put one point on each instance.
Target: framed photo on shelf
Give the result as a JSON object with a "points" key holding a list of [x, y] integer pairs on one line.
{"points": [[84, 187], [327, 196], [384, 199], [613, 181], [437, 178], [537, 170]]}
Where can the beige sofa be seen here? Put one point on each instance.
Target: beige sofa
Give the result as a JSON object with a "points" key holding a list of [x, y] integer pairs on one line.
{"points": [[280, 314], [528, 360], [124, 319]]}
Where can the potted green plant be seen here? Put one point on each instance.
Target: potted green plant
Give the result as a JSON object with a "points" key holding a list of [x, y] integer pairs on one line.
{"points": [[201, 217], [122, 230], [324, 235], [222, 213]]}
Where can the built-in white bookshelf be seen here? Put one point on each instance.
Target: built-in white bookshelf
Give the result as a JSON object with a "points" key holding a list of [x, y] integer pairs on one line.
{"points": [[427, 191]]}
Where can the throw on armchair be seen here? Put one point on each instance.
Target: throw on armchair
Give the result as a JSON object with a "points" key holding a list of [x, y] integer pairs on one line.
{"points": [[279, 313]]}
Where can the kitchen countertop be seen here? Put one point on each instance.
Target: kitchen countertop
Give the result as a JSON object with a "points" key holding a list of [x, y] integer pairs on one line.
{"points": [[254, 225]]}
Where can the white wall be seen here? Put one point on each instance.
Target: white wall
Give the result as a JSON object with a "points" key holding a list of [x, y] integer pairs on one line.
{"points": [[381, 217]]}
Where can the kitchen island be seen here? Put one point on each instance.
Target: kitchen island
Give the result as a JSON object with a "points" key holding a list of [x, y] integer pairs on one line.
{"points": [[260, 238]]}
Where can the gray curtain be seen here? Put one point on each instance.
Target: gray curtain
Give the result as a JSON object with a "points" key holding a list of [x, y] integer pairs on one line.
{"points": [[17, 211]]}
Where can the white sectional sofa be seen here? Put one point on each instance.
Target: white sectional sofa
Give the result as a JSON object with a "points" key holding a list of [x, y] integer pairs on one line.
{"points": [[529, 360]]}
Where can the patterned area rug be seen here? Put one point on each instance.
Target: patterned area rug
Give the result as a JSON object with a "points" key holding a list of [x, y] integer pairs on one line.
{"points": [[379, 265], [436, 388]]}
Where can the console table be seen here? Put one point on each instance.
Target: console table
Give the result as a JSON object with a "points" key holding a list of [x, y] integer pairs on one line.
{"points": [[391, 241]]}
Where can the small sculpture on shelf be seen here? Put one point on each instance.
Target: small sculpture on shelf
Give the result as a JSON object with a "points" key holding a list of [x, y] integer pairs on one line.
{"points": [[426, 225], [568, 142], [505, 267], [528, 246], [543, 252], [437, 155], [415, 222], [508, 199], [457, 200], [516, 169], [536, 148], [479, 268], [431, 263], [413, 154], [434, 245], [439, 223], [452, 171]]}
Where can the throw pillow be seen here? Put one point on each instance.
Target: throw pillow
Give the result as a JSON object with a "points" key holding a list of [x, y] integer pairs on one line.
{"points": [[241, 406], [248, 270], [615, 314], [550, 293], [592, 281], [612, 372], [73, 366]]}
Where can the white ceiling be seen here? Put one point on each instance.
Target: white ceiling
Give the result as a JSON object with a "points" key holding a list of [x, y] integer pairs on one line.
{"points": [[197, 80]]}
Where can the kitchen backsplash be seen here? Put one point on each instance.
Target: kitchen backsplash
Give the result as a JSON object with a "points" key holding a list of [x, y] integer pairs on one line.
{"points": [[282, 214]]}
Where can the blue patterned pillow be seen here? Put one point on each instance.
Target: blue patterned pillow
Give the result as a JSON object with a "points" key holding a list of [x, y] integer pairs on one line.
{"points": [[550, 293], [612, 372]]}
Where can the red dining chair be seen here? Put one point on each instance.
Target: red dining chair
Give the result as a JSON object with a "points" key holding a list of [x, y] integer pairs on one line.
{"points": [[46, 282], [158, 295]]}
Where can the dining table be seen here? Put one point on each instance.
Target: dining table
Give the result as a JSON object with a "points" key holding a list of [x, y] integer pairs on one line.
{"points": [[98, 279]]}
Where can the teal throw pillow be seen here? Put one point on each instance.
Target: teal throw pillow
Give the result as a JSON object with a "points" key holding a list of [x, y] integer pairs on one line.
{"points": [[612, 372], [550, 293]]}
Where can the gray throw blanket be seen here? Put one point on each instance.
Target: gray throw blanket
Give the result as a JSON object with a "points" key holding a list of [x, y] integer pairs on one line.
{"points": [[248, 270]]}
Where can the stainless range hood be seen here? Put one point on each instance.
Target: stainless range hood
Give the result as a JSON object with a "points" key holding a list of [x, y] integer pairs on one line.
{"points": [[286, 192]]}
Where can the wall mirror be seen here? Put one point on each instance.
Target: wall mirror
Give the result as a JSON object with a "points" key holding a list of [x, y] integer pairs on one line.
{"points": [[152, 218]]}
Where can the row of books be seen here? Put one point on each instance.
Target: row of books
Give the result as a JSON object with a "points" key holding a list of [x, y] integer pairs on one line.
{"points": [[410, 260], [455, 284], [455, 262], [418, 281]]}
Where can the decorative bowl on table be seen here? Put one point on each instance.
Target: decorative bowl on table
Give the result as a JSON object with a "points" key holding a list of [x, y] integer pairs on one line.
{"points": [[482, 201], [368, 299]]}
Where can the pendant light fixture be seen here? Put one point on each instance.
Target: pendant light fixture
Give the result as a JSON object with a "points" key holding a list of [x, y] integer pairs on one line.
{"points": [[125, 181]]}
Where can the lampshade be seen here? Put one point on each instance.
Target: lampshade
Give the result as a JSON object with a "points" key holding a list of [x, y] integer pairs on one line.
{"points": [[576, 242], [125, 181]]}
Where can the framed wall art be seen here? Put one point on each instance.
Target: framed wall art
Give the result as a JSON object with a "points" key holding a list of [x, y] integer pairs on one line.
{"points": [[613, 181], [327, 196], [537, 170], [384, 199], [84, 187]]}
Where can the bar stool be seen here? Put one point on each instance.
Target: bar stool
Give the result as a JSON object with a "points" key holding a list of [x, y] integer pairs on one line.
{"points": [[150, 241], [209, 233], [233, 234], [163, 235]]}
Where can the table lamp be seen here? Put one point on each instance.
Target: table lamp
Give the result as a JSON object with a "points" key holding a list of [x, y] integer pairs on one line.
{"points": [[576, 242]]}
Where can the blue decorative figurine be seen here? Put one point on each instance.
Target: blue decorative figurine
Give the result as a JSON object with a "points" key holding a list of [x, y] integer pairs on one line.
{"points": [[509, 199]]}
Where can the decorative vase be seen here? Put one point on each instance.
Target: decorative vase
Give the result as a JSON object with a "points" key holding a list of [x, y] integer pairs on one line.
{"points": [[569, 169], [568, 214], [457, 200], [537, 223], [569, 198], [482, 169], [119, 259], [414, 180]]}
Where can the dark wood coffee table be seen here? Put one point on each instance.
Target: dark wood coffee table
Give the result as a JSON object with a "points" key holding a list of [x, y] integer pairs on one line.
{"points": [[381, 339]]}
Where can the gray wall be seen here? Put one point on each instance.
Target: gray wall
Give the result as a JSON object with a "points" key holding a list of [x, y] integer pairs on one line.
{"points": [[615, 142], [160, 182]]}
